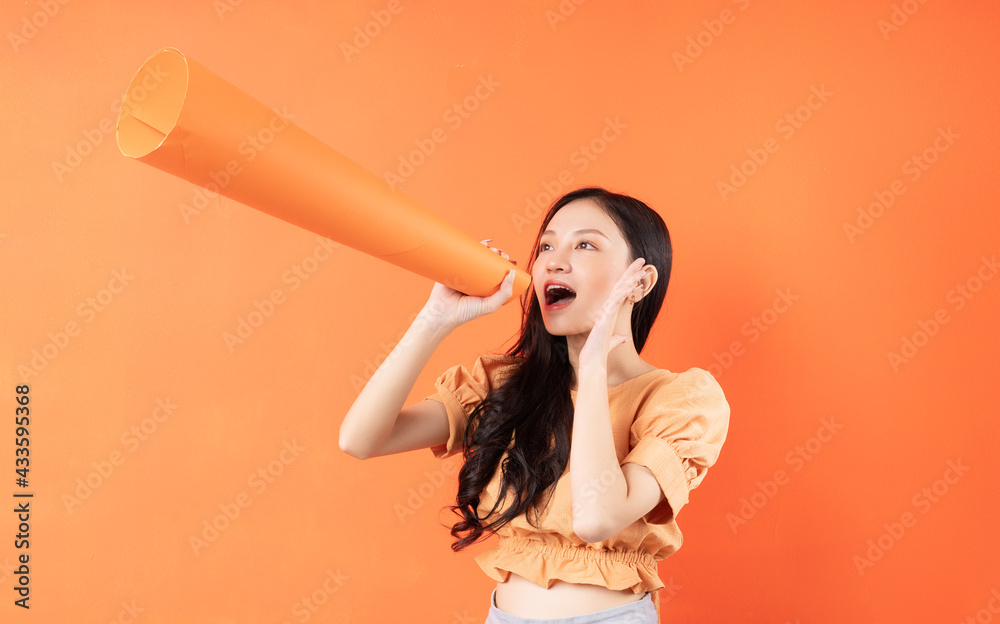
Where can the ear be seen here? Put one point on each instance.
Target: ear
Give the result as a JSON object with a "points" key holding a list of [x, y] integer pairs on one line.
{"points": [[648, 280]]}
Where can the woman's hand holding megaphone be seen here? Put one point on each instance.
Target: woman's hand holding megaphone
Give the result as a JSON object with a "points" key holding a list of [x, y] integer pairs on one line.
{"points": [[446, 307]]}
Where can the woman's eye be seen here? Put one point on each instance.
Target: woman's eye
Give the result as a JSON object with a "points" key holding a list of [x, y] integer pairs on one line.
{"points": [[544, 245]]}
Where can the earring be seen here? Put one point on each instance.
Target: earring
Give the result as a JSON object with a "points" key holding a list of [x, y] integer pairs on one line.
{"points": [[632, 297]]}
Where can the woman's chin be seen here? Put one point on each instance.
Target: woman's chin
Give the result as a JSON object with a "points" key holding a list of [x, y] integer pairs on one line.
{"points": [[554, 327], [558, 327]]}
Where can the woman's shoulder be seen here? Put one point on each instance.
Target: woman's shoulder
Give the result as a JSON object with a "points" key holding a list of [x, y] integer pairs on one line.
{"points": [[499, 364], [500, 357], [688, 382]]}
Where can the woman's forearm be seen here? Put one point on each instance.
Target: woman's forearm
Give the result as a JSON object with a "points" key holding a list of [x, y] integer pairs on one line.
{"points": [[596, 479], [372, 416]]}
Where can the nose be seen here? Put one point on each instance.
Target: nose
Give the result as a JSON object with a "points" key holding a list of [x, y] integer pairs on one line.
{"points": [[556, 261]]}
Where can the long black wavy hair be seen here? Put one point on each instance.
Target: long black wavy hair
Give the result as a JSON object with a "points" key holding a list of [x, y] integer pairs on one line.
{"points": [[534, 402]]}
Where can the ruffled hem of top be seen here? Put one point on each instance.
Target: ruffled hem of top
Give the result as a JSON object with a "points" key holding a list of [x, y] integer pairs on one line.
{"points": [[543, 563]]}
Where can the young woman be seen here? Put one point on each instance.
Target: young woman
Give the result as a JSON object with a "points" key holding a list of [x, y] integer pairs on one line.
{"points": [[577, 453]]}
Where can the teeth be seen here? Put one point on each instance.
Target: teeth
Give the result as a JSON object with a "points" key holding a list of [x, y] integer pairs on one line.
{"points": [[552, 293]]}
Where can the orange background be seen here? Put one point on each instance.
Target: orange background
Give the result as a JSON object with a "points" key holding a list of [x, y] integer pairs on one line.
{"points": [[75, 211]]}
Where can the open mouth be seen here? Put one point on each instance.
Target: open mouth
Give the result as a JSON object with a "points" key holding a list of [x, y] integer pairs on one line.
{"points": [[556, 295]]}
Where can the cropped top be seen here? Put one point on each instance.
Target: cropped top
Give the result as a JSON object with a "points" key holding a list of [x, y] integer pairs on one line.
{"points": [[674, 424]]}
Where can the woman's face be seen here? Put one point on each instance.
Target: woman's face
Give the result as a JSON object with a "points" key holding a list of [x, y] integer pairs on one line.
{"points": [[589, 262]]}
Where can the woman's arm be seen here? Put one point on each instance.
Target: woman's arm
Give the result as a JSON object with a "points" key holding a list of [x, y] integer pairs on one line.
{"points": [[607, 497], [372, 417], [596, 479]]}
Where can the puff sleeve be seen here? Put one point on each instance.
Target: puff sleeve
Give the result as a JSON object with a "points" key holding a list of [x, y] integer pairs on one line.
{"points": [[461, 390], [678, 436]]}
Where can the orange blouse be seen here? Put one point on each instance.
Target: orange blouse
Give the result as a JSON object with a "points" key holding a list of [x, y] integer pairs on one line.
{"points": [[674, 424]]}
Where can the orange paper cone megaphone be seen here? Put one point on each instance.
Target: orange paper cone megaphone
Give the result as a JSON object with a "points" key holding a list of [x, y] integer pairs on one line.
{"points": [[180, 117]]}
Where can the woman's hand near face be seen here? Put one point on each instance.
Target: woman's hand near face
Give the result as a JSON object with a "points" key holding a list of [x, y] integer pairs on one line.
{"points": [[602, 338]]}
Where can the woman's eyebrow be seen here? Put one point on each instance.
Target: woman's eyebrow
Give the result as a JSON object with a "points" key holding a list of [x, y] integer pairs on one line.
{"points": [[584, 231]]}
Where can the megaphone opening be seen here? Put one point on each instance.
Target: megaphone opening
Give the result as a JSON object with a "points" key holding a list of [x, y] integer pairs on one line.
{"points": [[152, 103]]}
